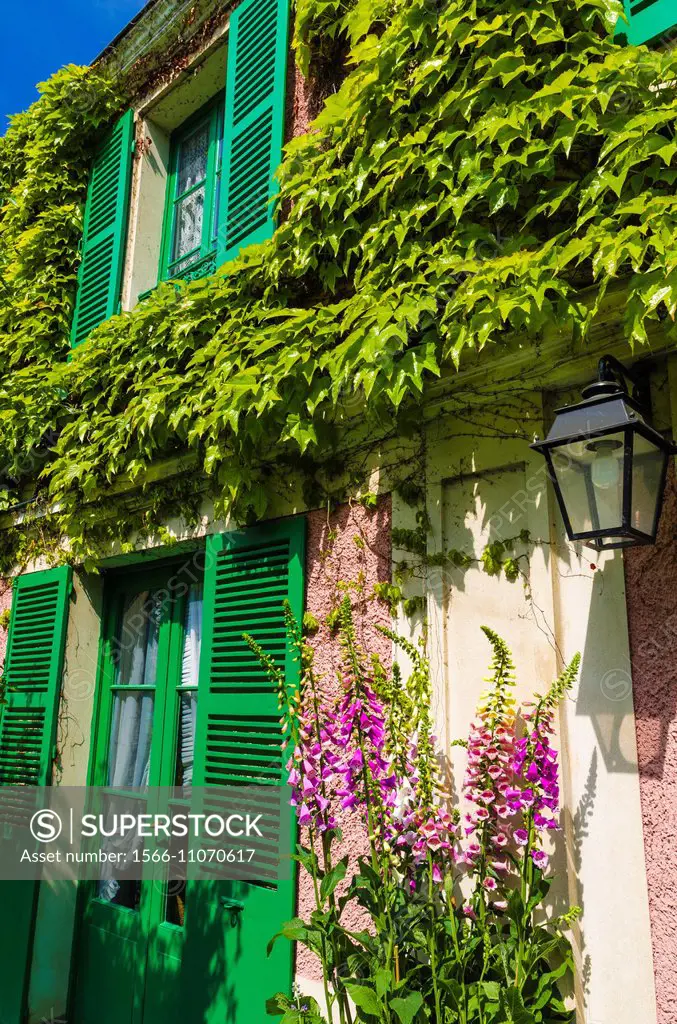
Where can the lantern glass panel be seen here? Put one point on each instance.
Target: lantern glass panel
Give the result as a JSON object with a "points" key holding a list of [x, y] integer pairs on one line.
{"points": [[647, 474], [589, 473]]}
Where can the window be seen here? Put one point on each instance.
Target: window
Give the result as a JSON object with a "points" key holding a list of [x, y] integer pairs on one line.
{"points": [[208, 150], [155, 654], [192, 208]]}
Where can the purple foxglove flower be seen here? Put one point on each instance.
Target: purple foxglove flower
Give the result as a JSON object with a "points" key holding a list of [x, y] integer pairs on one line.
{"points": [[357, 760], [309, 786]]}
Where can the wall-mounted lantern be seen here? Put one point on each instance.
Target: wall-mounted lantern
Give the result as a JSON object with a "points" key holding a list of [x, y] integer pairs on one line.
{"points": [[606, 463]]}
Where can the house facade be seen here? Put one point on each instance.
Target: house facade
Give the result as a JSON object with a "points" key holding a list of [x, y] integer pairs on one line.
{"points": [[134, 670]]}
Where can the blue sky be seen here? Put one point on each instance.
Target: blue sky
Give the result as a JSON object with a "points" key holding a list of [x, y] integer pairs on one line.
{"points": [[40, 36]]}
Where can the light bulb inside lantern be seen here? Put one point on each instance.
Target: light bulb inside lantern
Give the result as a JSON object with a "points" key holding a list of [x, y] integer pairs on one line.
{"points": [[606, 468], [605, 472]]}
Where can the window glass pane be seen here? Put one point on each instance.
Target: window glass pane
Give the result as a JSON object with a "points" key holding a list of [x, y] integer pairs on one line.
{"points": [[174, 893], [189, 213], [175, 900], [188, 701], [647, 473], [217, 176], [192, 162], [186, 743], [123, 892], [136, 651], [130, 738], [192, 639], [136, 645], [115, 884], [590, 475]]}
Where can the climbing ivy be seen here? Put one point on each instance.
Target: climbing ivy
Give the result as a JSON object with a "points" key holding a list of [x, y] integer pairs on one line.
{"points": [[44, 164], [487, 168]]}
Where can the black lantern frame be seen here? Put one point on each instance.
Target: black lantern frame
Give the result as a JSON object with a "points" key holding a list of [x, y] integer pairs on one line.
{"points": [[608, 410]]}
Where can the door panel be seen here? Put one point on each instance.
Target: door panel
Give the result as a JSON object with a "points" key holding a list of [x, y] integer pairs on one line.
{"points": [[139, 638], [111, 965]]}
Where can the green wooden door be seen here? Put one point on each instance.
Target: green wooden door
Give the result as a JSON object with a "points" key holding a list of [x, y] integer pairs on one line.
{"points": [[173, 952], [28, 718], [140, 627]]}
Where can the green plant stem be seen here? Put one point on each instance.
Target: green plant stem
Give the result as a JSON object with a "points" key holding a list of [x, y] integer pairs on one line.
{"points": [[432, 943], [526, 884], [343, 1007], [318, 903], [460, 959]]}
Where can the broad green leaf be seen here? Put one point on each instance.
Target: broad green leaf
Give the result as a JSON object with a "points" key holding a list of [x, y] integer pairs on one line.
{"points": [[364, 997], [407, 1007]]}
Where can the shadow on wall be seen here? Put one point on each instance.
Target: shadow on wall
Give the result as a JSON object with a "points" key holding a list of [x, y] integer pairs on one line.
{"points": [[576, 827], [621, 694], [605, 687]]}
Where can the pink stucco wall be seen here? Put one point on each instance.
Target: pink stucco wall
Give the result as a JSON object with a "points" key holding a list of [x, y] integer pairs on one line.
{"points": [[651, 581], [350, 545], [5, 602]]}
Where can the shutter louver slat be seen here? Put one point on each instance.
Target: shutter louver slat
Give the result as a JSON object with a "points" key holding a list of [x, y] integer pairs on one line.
{"points": [[648, 19], [254, 123], [105, 232]]}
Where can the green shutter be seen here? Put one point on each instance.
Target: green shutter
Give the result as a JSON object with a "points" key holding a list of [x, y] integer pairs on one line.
{"points": [[254, 123], [32, 673], [105, 232], [248, 576], [648, 19]]}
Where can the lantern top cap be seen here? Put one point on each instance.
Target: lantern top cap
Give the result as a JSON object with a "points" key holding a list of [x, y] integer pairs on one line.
{"points": [[599, 414], [606, 408]]}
